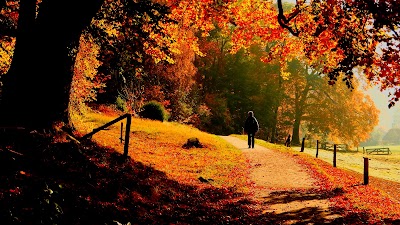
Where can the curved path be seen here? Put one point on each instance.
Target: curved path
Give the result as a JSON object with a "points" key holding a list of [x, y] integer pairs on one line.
{"points": [[282, 186]]}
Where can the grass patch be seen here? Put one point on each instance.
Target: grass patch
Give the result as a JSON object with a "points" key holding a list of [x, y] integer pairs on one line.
{"points": [[160, 145]]}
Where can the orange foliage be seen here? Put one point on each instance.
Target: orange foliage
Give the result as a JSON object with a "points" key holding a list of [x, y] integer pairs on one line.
{"points": [[176, 82], [248, 22], [346, 35], [6, 52], [86, 81], [182, 71], [355, 117], [356, 198], [336, 35]]}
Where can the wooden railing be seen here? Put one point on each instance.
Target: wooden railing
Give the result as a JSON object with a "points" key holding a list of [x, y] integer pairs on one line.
{"points": [[127, 130], [378, 151]]}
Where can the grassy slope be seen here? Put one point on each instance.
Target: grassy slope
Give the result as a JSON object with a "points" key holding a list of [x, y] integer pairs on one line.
{"points": [[91, 183], [159, 145]]}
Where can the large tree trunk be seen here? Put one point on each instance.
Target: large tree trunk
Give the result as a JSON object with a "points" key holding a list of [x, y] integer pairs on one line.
{"points": [[37, 86], [300, 102], [274, 125], [295, 132], [276, 105]]}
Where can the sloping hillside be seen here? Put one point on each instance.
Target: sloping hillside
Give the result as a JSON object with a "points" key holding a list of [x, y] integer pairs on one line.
{"points": [[91, 183], [62, 182]]}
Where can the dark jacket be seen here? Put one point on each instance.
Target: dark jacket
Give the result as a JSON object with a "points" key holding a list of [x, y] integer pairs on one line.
{"points": [[251, 125]]}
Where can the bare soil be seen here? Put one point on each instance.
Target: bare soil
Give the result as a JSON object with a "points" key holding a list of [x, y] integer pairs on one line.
{"points": [[284, 187]]}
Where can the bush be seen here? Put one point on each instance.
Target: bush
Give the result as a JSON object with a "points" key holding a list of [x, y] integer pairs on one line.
{"points": [[120, 104], [154, 110]]}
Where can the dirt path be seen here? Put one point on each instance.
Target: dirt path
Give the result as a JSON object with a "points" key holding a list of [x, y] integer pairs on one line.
{"points": [[283, 187]]}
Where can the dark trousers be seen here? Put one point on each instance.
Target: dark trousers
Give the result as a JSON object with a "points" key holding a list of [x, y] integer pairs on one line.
{"points": [[250, 140]]}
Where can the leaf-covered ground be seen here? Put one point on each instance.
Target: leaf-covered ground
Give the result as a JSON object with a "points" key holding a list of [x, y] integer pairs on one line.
{"points": [[43, 182]]}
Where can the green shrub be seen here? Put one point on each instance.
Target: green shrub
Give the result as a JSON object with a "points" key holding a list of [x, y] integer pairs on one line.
{"points": [[154, 110], [120, 104]]}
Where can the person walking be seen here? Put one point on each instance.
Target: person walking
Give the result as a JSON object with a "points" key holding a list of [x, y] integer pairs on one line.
{"points": [[251, 127], [287, 142]]}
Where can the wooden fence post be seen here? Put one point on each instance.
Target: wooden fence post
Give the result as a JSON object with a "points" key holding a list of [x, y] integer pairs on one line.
{"points": [[127, 132], [122, 129], [334, 155], [316, 155], [366, 175]]}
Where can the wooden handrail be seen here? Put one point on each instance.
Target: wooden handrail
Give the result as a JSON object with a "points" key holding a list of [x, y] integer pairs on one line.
{"points": [[104, 126], [127, 130]]}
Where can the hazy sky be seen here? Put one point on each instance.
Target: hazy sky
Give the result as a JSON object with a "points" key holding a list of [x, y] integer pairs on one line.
{"points": [[381, 102]]}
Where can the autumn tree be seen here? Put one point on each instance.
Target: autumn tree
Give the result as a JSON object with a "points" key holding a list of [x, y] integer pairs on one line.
{"points": [[213, 81], [324, 111], [355, 117], [127, 33], [86, 81], [234, 83], [302, 95], [269, 101], [391, 137], [375, 137], [349, 35], [148, 58], [265, 80], [176, 82]]}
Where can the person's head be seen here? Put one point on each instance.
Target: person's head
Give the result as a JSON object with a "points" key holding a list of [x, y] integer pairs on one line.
{"points": [[250, 113]]}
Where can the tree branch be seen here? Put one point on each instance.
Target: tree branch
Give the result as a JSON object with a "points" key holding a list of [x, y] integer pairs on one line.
{"points": [[283, 21]]}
